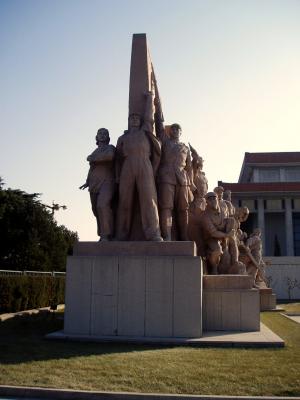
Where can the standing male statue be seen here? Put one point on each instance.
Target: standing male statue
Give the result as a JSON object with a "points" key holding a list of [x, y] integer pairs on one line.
{"points": [[219, 190], [230, 206], [175, 179], [200, 182], [100, 181], [197, 207], [251, 256], [138, 152]]}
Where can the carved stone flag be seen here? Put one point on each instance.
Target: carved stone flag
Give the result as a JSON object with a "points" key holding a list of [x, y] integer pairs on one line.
{"points": [[140, 74]]}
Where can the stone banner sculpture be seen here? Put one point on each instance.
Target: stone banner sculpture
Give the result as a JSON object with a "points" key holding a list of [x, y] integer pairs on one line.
{"points": [[143, 280], [159, 183]]}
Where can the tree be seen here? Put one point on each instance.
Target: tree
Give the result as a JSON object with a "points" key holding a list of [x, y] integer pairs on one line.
{"points": [[30, 237]]}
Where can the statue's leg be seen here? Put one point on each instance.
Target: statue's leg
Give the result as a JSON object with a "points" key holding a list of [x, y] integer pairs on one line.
{"points": [[104, 210], [148, 203], [94, 197], [166, 195], [166, 223], [214, 254], [124, 213], [181, 206], [252, 271]]}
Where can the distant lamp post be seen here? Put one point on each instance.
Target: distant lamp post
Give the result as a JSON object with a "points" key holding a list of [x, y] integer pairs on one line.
{"points": [[55, 207]]}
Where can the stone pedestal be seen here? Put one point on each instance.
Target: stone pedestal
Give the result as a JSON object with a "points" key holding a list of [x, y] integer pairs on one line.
{"points": [[135, 249], [230, 303], [158, 295], [267, 299]]}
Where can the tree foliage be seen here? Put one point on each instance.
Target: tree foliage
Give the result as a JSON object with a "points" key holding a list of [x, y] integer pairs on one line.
{"points": [[30, 237]]}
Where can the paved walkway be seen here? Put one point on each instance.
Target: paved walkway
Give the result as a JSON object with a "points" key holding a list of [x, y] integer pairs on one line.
{"points": [[263, 338], [28, 393], [293, 317]]}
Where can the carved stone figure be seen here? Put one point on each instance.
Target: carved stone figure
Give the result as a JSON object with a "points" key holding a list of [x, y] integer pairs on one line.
{"points": [[255, 245], [219, 190], [216, 228], [135, 150], [230, 206], [174, 182], [198, 204], [241, 215], [175, 179], [230, 261], [251, 254], [200, 182], [100, 181]]}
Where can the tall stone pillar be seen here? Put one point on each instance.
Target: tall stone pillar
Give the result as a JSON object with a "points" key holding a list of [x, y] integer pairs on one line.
{"points": [[140, 74], [289, 227], [261, 221]]}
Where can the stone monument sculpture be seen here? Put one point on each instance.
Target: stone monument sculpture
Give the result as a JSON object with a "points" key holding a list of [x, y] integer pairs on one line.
{"points": [[175, 179], [135, 149], [138, 285], [100, 181]]}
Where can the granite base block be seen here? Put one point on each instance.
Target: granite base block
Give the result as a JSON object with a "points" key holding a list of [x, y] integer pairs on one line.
{"points": [[230, 306], [135, 248], [267, 299], [147, 296]]}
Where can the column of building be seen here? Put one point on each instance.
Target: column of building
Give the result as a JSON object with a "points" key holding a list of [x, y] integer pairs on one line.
{"points": [[261, 220], [289, 227]]}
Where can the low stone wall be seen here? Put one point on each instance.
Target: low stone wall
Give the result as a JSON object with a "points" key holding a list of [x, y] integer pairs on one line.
{"points": [[283, 276]]}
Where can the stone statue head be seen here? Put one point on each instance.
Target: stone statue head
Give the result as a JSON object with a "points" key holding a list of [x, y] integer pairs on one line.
{"points": [[219, 190], [212, 201], [102, 136], [175, 131], [242, 213], [227, 195], [256, 232], [134, 120], [197, 161]]}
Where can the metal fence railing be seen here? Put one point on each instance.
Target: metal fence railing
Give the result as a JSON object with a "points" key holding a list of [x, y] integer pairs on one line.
{"points": [[31, 273]]}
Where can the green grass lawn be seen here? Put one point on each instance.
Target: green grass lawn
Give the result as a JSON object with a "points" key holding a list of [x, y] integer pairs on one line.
{"points": [[290, 307], [26, 358]]}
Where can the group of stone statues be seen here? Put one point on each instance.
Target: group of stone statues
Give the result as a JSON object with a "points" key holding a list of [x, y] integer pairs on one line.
{"points": [[224, 247], [148, 173], [152, 187]]}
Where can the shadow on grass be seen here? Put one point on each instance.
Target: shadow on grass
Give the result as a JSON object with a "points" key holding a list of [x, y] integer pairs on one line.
{"points": [[22, 339]]}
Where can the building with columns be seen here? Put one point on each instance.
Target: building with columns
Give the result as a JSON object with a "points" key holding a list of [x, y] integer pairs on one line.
{"points": [[269, 185]]}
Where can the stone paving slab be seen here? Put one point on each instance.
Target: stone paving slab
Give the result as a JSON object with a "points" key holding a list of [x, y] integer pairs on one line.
{"points": [[263, 338], [23, 392], [295, 318]]}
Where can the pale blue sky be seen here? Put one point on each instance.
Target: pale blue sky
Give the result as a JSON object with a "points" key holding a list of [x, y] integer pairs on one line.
{"points": [[228, 72]]}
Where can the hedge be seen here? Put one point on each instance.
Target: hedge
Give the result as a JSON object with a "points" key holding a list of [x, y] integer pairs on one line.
{"points": [[25, 292]]}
